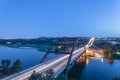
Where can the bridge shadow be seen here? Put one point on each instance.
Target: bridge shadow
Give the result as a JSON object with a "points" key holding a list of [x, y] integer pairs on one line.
{"points": [[75, 72]]}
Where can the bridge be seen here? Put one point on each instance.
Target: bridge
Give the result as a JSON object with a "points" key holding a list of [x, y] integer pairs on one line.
{"points": [[57, 64]]}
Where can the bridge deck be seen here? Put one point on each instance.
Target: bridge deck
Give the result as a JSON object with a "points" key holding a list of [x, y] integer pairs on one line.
{"points": [[58, 64]]}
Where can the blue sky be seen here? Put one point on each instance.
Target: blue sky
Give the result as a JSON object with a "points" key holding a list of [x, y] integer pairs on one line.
{"points": [[51, 18]]}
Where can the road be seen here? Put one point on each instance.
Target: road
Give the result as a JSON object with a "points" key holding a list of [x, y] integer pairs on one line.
{"points": [[57, 64]]}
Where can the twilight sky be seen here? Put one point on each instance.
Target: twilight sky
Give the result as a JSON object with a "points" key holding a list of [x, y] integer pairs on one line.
{"points": [[51, 18]]}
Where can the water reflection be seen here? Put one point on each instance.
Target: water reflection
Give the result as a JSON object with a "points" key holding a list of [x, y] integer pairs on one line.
{"points": [[76, 71], [91, 68], [111, 61]]}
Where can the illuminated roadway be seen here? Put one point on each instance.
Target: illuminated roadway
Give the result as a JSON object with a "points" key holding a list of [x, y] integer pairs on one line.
{"points": [[57, 64]]}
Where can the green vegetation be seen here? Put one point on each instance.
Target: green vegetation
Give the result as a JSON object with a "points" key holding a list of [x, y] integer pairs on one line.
{"points": [[116, 78], [110, 48], [6, 68], [16, 66], [49, 75], [41, 44], [46, 76]]}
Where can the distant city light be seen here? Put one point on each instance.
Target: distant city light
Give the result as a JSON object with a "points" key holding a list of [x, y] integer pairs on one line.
{"points": [[8, 42], [59, 47]]}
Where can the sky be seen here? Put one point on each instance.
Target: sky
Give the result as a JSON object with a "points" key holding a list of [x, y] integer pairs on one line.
{"points": [[58, 18]]}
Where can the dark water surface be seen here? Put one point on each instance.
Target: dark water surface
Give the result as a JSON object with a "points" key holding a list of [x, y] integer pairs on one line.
{"points": [[95, 69], [28, 56], [83, 69]]}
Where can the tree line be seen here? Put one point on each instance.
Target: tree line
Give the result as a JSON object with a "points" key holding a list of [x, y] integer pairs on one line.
{"points": [[7, 68], [49, 75]]}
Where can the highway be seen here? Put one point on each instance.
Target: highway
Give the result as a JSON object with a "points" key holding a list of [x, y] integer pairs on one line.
{"points": [[57, 64]]}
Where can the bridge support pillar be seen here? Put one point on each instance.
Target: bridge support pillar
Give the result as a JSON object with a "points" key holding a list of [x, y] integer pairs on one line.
{"points": [[69, 59]]}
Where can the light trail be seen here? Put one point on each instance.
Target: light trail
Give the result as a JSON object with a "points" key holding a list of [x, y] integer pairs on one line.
{"points": [[54, 63]]}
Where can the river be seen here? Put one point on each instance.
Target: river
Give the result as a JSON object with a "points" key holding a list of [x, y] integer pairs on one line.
{"points": [[87, 68], [28, 56], [84, 68]]}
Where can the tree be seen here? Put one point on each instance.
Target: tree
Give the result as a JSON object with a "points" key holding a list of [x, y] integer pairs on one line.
{"points": [[5, 67], [33, 76], [36, 76], [45, 76], [16, 66], [49, 75], [116, 78], [107, 49]]}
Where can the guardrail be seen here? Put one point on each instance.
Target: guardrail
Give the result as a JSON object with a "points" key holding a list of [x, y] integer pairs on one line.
{"points": [[47, 65]]}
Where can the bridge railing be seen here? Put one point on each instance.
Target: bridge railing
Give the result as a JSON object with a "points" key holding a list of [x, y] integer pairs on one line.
{"points": [[48, 64]]}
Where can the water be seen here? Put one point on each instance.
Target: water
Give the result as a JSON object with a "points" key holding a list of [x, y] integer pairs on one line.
{"points": [[95, 69], [28, 56], [83, 69]]}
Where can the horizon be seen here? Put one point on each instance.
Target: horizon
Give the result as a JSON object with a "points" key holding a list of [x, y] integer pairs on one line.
{"points": [[58, 37]]}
